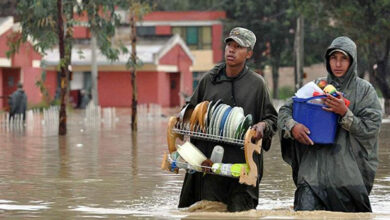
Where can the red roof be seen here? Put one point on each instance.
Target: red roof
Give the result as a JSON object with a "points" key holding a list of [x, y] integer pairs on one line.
{"points": [[184, 15]]}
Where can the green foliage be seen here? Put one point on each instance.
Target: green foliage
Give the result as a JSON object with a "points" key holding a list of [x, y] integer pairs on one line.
{"points": [[131, 64], [38, 19], [271, 21], [365, 22], [286, 92], [379, 92], [137, 8], [102, 21], [42, 87]]}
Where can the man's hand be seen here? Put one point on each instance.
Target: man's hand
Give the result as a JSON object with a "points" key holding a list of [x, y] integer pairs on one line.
{"points": [[335, 104], [300, 133], [259, 128]]}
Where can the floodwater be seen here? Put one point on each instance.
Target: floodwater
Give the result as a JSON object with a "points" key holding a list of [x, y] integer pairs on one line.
{"points": [[103, 171]]}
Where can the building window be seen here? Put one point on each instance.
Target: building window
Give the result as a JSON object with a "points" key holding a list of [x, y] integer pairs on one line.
{"points": [[196, 76], [192, 37], [146, 31], [195, 37]]}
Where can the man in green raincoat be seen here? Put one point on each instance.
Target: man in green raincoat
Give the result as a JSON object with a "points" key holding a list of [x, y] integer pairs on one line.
{"points": [[338, 176], [236, 85]]}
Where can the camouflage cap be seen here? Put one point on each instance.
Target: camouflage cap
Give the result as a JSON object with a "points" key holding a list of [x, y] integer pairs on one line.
{"points": [[242, 36]]}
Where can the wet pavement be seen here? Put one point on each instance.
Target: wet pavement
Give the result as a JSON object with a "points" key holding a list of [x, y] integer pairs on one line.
{"points": [[104, 171]]}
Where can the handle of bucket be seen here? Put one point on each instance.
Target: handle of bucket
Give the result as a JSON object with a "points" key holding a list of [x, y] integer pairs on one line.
{"points": [[315, 97]]}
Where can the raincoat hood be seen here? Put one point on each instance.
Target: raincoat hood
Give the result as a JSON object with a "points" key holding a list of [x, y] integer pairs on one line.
{"points": [[345, 44]]}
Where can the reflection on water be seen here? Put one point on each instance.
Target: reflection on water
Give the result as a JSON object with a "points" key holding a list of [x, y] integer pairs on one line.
{"points": [[104, 171]]}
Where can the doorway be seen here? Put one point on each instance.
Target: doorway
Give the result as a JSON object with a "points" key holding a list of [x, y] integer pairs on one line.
{"points": [[174, 79], [11, 78]]}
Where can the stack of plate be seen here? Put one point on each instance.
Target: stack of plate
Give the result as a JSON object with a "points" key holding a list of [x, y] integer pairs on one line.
{"points": [[216, 118], [225, 121]]}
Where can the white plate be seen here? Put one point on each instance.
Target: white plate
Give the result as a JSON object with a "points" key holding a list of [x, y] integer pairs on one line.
{"points": [[227, 123], [238, 130], [230, 120], [219, 119], [236, 121], [216, 119], [212, 119], [224, 118]]}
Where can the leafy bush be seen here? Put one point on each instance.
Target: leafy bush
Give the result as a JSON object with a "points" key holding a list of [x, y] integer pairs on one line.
{"points": [[286, 92]]}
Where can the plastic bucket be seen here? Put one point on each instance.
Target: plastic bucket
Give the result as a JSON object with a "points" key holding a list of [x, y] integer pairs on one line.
{"points": [[322, 124]]}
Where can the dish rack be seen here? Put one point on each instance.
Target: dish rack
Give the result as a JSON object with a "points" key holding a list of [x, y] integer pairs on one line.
{"points": [[197, 133], [178, 130]]}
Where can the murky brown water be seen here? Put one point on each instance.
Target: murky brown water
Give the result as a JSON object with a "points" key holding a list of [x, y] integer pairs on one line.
{"points": [[106, 172]]}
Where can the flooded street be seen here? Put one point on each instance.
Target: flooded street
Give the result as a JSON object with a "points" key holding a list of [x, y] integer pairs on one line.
{"points": [[103, 171]]}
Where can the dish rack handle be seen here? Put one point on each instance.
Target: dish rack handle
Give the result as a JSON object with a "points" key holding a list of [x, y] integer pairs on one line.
{"points": [[171, 135], [250, 178]]}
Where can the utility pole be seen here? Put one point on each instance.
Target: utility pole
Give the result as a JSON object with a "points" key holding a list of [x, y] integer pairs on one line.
{"points": [[133, 72], [94, 71], [299, 52]]}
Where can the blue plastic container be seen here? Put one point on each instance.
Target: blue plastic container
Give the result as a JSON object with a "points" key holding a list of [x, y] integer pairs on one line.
{"points": [[322, 124]]}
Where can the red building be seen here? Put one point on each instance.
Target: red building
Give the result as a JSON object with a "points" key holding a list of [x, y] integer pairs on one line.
{"points": [[202, 31], [22, 67], [163, 77], [172, 65]]}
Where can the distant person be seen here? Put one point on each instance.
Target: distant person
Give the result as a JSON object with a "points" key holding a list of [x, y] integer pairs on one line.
{"points": [[85, 99], [18, 102], [57, 94], [338, 176]]}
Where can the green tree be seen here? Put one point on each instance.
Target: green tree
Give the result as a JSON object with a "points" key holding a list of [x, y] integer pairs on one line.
{"points": [[271, 21], [50, 23], [137, 10], [368, 24]]}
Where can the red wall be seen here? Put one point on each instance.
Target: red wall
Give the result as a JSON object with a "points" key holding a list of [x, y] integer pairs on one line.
{"points": [[2, 98], [31, 75], [51, 82], [6, 89], [153, 87], [217, 44], [176, 56], [23, 61], [163, 89], [184, 15], [163, 30], [115, 88], [1, 88], [3, 43], [147, 85], [81, 32]]}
